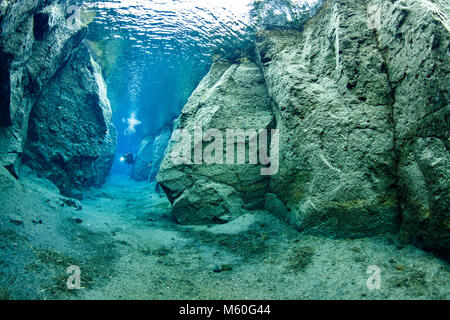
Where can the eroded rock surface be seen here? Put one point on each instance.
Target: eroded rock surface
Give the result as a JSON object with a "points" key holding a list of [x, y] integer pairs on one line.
{"points": [[71, 140], [231, 96], [159, 147], [334, 111], [150, 155], [361, 98], [415, 46], [47, 71], [32, 49]]}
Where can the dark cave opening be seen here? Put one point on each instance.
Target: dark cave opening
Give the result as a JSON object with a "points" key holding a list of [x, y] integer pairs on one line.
{"points": [[5, 89], [41, 25]]}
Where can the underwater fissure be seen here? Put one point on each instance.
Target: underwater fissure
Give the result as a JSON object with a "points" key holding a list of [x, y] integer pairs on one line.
{"points": [[224, 150]]}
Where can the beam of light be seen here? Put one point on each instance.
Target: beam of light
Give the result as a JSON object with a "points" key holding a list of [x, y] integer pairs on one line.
{"points": [[122, 159], [132, 123]]}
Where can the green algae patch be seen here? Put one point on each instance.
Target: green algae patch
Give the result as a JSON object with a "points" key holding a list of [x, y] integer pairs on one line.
{"points": [[300, 258], [93, 253]]}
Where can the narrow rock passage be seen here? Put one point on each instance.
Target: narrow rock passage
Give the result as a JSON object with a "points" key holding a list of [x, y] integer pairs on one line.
{"points": [[344, 105]]}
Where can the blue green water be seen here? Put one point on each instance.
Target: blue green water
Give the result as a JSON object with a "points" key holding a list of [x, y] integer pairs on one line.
{"points": [[156, 52]]}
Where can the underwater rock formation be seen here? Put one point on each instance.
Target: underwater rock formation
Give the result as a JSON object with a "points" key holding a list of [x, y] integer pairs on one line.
{"points": [[144, 157], [159, 148], [361, 98], [101, 167], [333, 107], [359, 93], [71, 140], [231, 96], [415, 46], [28, 63], [53, 98], [150, 155]]}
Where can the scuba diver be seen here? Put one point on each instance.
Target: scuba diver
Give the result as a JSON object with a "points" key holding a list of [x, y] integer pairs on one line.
{"points": [[130, 160]]}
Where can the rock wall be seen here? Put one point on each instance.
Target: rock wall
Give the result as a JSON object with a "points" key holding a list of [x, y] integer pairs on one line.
{"points": [[101, 167], [32, 49], [159, 147], [144, 156], [53, 98], [415, 46], [361, 98], [333, 106], [362, 101], [71, 140]]}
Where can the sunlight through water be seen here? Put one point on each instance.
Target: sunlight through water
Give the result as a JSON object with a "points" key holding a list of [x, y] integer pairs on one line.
{"points": [[154, 53]]}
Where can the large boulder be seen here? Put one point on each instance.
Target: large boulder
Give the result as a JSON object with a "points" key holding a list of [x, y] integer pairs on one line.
{"points": [[231, 96], [71, 140]]}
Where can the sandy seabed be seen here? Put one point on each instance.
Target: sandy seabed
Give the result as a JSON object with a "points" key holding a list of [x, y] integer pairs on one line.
{"points": [[127, 246]]}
